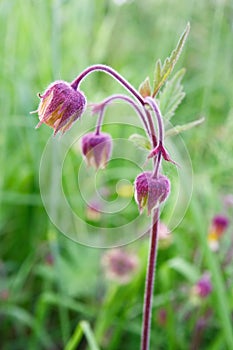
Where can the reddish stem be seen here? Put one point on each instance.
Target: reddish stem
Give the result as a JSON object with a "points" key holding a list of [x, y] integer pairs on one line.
{"points": [[129, 100], [113, 73], [148, 298]]}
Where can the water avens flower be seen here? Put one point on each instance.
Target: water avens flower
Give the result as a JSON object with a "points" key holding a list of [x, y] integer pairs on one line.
{"points": [[97, 149], [203, 287], [60, 106], [120, 265], [217, 228], [219, 224], [150, 191]]}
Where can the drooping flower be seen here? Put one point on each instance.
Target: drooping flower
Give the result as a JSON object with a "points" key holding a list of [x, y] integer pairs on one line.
{"points": [[151, 191], [97, 149], [120, 265], [217, 228], [60, 106]]}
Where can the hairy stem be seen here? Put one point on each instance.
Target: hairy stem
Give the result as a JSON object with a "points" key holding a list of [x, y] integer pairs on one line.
{"points": [[100, 121], [113, 73], [149, 288], [152, 128], [100, 107], [151, 102]]}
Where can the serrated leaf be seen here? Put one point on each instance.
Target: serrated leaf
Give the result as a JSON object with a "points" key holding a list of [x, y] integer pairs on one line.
{"points": [[180, 128], [162, 72], [172, 95], [140, 141], [145, 88]]}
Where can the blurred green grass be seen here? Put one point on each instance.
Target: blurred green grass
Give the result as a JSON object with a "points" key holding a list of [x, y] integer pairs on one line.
{"points": [[44, 40]]}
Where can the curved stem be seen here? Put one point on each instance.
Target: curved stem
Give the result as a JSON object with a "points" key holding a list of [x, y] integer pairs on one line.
{"points": [[151, 102], [157, 165], [113, 73], [149, 288], [99, 122], [128, 99], [152, 128]]}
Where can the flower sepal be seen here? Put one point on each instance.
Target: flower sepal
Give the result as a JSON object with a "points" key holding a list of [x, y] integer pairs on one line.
{"points": [[161, 149]]}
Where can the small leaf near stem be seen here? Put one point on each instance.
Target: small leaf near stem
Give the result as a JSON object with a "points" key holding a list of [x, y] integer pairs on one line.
{"points": [[181, 128], [162, 72], [140, 141], [145, 88]]}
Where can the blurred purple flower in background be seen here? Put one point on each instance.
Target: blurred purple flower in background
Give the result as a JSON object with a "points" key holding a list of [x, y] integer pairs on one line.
{"points": [[119, 265], [217, 228]]}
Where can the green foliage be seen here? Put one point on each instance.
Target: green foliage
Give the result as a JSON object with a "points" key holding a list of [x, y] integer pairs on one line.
{"points": [[140, 141], [83, 328], [162, 72], [181, 128], [172, 95]]}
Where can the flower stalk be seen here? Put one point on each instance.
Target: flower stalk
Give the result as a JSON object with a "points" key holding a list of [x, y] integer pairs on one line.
{"points": [[150, 277], [100, 107], [110, 71]]}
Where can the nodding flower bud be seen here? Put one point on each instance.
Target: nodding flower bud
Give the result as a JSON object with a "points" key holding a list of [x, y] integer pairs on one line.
{"points": [[97, 149], [151, 191], [60, 106]]}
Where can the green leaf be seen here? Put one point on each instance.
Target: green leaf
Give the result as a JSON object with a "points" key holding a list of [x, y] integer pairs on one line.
{"points": [[145, 88], [180, 128], [82, 328], [140, 141], [185, 268], [172, 95], [162, 72]]}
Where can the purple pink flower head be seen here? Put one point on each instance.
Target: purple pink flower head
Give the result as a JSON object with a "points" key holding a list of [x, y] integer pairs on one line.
{"points": [[217, 228], [149, 191], [220, 223], [97, 149], [203, 286], [119, 265], [60, 106]]}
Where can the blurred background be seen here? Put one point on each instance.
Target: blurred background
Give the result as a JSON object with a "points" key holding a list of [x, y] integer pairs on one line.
{"points": [[49, 283]]}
